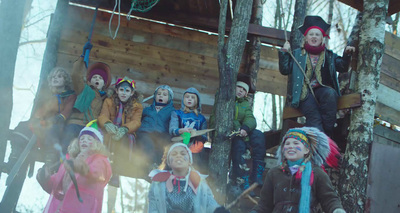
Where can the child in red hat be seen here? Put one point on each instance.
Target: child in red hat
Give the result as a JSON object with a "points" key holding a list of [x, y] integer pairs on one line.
{"points": [[90, 84], [316, 92]]}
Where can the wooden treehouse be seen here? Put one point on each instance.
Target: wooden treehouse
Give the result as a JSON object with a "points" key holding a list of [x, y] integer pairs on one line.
{"points": [[175, 43]]}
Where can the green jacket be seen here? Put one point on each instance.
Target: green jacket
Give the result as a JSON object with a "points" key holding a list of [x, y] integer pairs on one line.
{"points": [[244, 118]]}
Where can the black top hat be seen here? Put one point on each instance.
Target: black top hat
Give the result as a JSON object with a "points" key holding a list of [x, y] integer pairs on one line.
{"points": [[311, 21], [246, 79]]}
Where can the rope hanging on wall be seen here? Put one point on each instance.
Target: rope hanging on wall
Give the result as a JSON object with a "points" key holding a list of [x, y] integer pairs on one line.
{"points": [[141, 6]]}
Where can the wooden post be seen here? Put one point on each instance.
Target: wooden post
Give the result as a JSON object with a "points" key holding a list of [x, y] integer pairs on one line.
{"points": [[11, 16], [229, 58], [354, 175]]}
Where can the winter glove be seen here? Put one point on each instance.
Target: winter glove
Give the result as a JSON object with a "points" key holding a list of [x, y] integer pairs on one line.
{"points": [[121, 132], [111, 128], [88, 46], [221, 209]]}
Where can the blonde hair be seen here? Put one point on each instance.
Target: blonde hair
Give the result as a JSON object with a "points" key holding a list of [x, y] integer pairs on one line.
{"points": [[65, 74], [188, 110], [96, 148]]}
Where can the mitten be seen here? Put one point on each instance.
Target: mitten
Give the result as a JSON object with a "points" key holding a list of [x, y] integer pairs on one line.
{"points": [[221, 209], [120, 133], [87, 46], [111, 128]]}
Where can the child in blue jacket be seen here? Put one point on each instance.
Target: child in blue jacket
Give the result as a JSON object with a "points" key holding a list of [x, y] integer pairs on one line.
{"points": [[190, 119], [153, 134]]}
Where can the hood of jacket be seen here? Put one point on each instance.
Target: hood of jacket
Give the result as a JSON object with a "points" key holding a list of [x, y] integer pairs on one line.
{"points": [[170, 95], [193, 91]]}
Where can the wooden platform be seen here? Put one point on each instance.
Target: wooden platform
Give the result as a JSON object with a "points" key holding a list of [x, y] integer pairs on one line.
{"points": [[344, 102]]}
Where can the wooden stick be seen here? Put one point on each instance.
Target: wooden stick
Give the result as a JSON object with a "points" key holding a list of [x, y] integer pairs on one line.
{"points": [[244, 193], [252, 199]]}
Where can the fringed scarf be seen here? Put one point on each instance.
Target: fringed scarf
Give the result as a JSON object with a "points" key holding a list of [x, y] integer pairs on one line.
{"points": [[118, 122]]}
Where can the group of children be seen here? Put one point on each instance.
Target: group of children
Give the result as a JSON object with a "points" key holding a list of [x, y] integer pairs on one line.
{"points": [[124, 133]]}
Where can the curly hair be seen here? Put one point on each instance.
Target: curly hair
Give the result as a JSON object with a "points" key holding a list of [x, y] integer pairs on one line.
{"points": [[129, 103], [97, 148], [65, 74]]}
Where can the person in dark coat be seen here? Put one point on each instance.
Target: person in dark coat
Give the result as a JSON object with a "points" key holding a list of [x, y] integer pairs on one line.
{"points": [[316, 93], [299, 183]]}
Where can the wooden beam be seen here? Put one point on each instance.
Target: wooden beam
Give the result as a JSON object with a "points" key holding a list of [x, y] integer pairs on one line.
{"points": [[344, 102], [387, 114]]}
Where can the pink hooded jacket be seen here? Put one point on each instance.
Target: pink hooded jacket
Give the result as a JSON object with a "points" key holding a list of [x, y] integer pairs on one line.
{"points": [[91, 188]]}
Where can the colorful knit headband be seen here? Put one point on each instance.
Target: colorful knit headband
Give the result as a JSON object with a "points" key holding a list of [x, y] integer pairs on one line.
{"points": [[298, 135]]}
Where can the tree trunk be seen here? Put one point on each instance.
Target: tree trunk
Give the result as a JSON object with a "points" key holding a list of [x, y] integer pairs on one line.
{"points": [[11, 16], [278, 17], [345, 79], [354, 175], [253, 62], [330, 16], [274, 113], [229, 58], [53, 38], [299, 14]]}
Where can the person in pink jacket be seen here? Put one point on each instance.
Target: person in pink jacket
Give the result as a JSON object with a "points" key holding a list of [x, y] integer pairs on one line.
{"points": [[92, 171]]}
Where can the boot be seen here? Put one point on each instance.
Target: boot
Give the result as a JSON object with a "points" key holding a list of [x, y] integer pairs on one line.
{"points": [[257, 172], [244, 184]]}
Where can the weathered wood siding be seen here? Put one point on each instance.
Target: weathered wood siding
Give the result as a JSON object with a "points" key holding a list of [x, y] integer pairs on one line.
{"points": [[155, 53]]}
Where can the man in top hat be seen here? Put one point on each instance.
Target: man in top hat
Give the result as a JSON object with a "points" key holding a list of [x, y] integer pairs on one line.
{"points": [[314, 93]]}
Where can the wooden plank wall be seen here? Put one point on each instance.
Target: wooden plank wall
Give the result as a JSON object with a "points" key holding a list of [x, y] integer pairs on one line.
{"points": [[154, 53]]}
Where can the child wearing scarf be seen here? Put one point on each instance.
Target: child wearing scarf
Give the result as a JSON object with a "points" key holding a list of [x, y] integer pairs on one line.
{"points": [[177, 187], [87, 158], [320, 65], [121, 117], [299, 183], [90, 84]]}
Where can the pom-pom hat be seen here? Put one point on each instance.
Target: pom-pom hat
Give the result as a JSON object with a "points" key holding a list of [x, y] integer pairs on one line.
{"points": [[126, 80], [92, 132], [311, 22]]}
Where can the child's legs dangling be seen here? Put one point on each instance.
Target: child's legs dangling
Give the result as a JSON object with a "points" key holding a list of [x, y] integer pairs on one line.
{"points": [[239, 167]]}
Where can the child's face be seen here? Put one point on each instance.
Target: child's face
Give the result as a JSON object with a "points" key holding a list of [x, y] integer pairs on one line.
{"points": [[97, 81], [86, 142], [294, 150], [314, 37], [57, 80], [162, 96], [190, 100], [124, 93], [179, 158], [240, 92]]}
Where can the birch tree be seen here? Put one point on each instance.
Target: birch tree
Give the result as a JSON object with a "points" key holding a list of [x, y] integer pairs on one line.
{"points": [[230, 53], [354, 175]]}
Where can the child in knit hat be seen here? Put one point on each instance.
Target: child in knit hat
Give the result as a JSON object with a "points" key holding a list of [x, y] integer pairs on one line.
{"points": [[121, 118], [87, 158], [178, 187], [189, 119], [90, 84], [248, 137], [299, 183], [153, 134]]}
